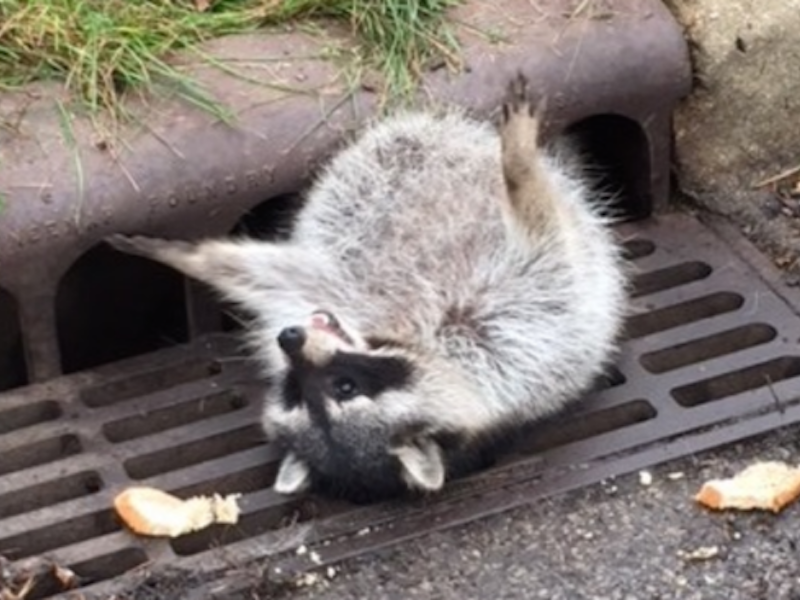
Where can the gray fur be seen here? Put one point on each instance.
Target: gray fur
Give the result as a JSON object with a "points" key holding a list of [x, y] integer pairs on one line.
{"points": [[482, 257]]}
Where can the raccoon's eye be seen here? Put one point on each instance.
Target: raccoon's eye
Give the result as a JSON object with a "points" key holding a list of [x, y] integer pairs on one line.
{"points": [[344, 388]]}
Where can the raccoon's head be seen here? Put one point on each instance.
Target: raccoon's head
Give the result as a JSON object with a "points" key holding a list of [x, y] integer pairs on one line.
{"points": [[359, 421]]}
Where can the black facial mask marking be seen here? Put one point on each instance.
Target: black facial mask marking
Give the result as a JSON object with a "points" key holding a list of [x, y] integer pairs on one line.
{"points": [[336, 458], [346, 376]]}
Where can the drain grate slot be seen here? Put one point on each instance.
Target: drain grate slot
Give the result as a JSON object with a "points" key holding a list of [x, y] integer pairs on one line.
{"points": [[280, 514], [149, 382], [110, 565], [49, 493], [195, 452], [669, 277], [708, 347], [636, 249], [744, 380], [249, 526], [612, 377], [591, 424], [256, 478], [28, 415], [198, 409], [44, 587], [39, 453], [91, 571], [705, 307], [56, 535]]}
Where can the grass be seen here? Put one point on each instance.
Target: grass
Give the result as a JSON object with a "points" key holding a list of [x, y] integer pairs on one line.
{"points": [[403, 35], [103, 49]]}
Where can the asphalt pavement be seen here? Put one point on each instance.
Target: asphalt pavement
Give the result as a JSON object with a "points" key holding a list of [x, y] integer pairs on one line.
{"points": [[638, 537]]}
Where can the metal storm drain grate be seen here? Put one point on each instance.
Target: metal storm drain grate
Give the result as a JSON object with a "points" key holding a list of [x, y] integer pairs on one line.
{"points": [[711, 356]]}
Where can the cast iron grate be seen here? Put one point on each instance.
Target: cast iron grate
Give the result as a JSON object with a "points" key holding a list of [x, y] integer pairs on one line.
{"points": [[711, 356]]}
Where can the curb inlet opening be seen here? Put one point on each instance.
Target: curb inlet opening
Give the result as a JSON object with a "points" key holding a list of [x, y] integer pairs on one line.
{"points": [[111, 306], [12, 355], [615, 149]]}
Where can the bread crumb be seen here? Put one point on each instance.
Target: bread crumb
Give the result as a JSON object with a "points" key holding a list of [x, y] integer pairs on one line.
{"points": [[307, 580], [152, 512], [226, 509], [698, 554], [767, 485]]}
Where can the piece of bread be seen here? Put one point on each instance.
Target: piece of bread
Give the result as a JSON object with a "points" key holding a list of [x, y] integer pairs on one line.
{"points": [[152, 512], [762, 486]]}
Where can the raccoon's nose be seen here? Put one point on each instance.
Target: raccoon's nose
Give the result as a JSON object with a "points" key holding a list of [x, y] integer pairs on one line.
{"points": [[291, 340]]}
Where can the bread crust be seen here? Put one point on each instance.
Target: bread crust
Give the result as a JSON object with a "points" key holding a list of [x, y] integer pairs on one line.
{"points": [[767, 485], [153, 512]]}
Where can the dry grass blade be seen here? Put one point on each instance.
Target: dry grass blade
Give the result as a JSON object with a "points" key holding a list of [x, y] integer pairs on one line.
{"points": [[777, 178], [65, 120]]}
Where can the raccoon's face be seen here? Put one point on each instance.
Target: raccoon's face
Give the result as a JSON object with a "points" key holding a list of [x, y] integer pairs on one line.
{"points": [[348, 416]]}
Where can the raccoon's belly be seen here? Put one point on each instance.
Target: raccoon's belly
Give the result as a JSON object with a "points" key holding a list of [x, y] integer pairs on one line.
{"points": [[433, 256], [417, 189], [435, 235]]}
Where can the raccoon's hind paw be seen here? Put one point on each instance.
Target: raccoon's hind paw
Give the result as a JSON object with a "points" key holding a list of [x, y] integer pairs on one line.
{"points": [[518, 102], [521, 117], [140, 245], [528, 182]]}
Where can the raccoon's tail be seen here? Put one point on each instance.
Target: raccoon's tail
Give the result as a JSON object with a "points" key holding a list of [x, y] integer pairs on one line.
{"points": [[251, 273]]}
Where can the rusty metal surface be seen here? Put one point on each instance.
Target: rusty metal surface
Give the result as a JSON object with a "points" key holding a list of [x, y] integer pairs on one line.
{"points": [[711, 356], [184, 418], [180, 174]]}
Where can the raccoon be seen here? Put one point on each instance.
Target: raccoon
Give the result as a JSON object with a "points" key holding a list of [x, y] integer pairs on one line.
{"points": [[447, 282]]}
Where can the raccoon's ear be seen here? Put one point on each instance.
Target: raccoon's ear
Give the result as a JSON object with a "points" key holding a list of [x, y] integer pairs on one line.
{"points": [[293, 475], [422, 464]]}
